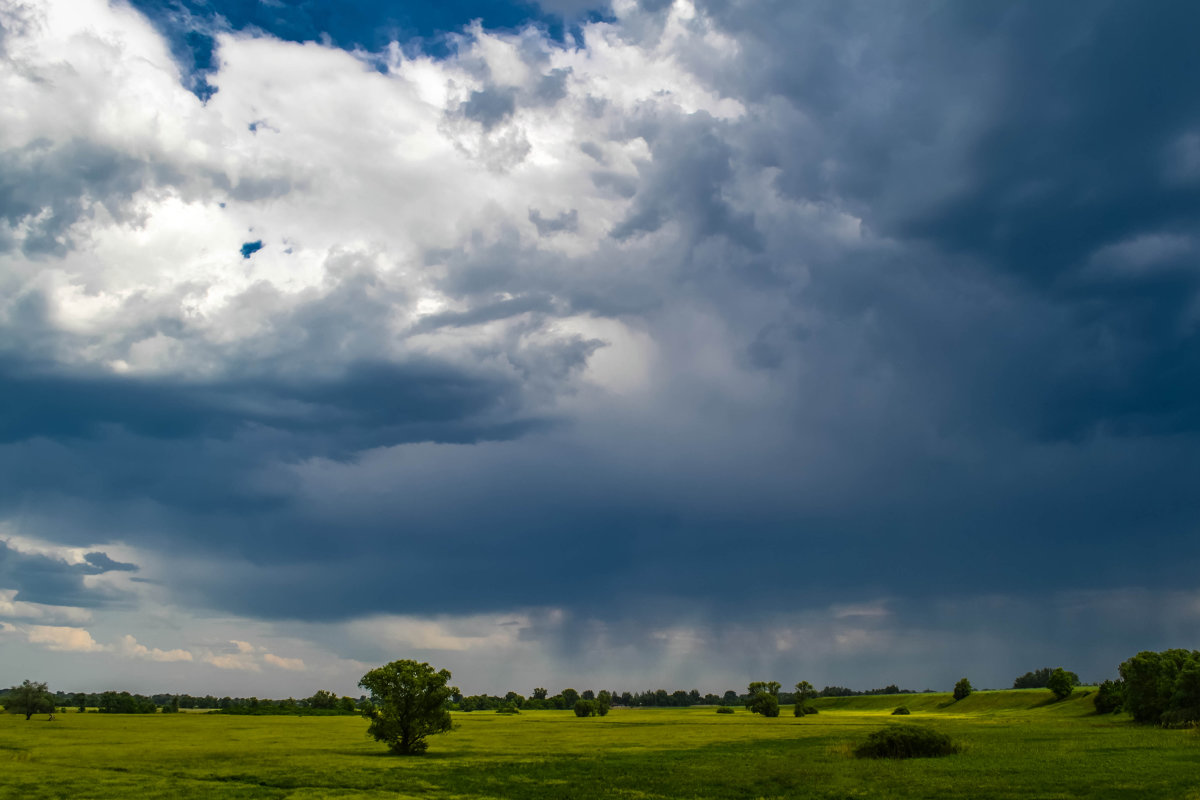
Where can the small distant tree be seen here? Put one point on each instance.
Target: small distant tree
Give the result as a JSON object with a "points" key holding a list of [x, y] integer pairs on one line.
{"points": [[569, 697], [408, 703], [1062, 683], [539, 693], [804, 690], [603, 702], [323, 700], [962, 689], [585, 708], [29, 698]]}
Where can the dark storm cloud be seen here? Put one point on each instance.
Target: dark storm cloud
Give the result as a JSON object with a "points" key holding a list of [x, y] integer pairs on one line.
{"points": [[100, 563], [43, 579], [996, 388], [1014, 143], [368, 405]]}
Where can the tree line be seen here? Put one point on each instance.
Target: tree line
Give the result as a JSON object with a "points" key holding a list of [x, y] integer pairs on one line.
{"points": [[1154, 687], [38, 699]]}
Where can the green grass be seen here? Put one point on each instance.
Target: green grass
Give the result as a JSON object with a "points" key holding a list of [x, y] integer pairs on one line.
{"points": [[1014, 744]]}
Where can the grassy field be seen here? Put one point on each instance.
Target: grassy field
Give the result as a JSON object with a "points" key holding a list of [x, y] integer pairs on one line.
{"points": [[1016, 744]]}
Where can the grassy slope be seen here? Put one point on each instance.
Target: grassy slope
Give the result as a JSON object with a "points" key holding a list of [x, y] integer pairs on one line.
{"points": [[1006, 701], [1014, 747]]}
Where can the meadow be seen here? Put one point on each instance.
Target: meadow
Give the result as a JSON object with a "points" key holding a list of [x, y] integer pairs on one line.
{"points": [[1015, 744]]}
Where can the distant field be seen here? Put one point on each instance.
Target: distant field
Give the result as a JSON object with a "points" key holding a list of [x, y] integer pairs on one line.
{"points": [[1017, 744]]}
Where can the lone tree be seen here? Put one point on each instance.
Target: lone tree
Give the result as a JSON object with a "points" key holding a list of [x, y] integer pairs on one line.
{"points": [[408, 703], [1062, 683], [29, 698], [962, 689], [763, 698]]}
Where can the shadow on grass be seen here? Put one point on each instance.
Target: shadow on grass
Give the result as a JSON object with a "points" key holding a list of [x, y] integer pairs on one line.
{"points": [[436, 755]]}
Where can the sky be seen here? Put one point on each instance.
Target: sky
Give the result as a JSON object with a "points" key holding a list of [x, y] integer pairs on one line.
{"points": [[631, 345]]}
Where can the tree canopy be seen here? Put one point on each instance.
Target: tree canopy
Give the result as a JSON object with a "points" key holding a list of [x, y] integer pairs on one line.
{"points": [[1062, 683], [408, 703], [29, 698], [1163, 687], [763, 698]]}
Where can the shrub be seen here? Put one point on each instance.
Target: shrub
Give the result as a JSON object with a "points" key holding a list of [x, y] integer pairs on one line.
{"points": [[724, 710], [906, 741], [585, 708], [962, 689], [811, 710], [508, 709], [901, 711], [798, 710]]}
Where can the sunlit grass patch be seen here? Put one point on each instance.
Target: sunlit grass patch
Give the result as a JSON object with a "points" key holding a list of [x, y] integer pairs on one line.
{"points": [[1010, 748]]}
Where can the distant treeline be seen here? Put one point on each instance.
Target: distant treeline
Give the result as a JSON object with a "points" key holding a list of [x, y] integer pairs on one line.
{"points": [[321, 703], [328, 703], [657, 698]]}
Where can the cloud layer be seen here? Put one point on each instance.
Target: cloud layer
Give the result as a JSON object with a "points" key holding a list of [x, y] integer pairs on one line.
{"points": [[686, 326]]}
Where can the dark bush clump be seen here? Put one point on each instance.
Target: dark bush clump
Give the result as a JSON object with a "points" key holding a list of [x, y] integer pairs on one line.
{"points": [[901, 711], [810, 710], [724, 710], [508, 709], [906, 741], [1109, 697]]}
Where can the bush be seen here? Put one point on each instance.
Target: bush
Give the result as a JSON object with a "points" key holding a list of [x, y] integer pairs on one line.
{"points": [[962, 689], [906, 741], [508, 709], [902, 711], [798, 710], [811, 710], [585, 708], [724, 710]]}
